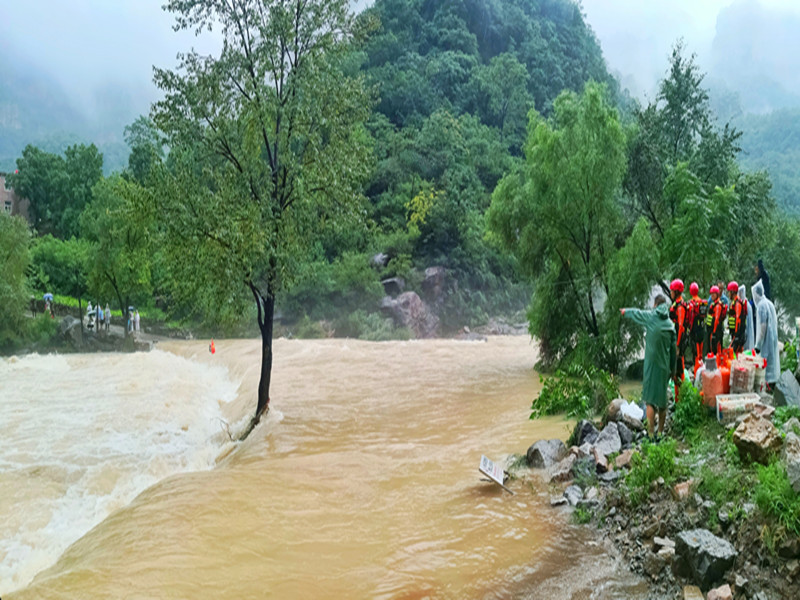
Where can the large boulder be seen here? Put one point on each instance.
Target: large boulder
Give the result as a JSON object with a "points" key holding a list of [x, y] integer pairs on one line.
{"points": [[757, 439], [625, 435], [70, 331], [584, 432], [393, 286], [408, 310], [787, 390], [433, 285], [702, 556], [545, 453], [791, 458], [609, 442], [562, 470]]}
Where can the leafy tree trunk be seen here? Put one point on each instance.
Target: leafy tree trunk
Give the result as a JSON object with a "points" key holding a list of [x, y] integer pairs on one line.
{"points": [[266, 312]]}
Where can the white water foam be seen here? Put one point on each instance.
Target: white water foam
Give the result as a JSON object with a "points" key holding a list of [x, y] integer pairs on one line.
{"points": [[82, 435]]}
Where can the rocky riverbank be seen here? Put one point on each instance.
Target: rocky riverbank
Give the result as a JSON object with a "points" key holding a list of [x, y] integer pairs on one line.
{"points": [[712, 511]]}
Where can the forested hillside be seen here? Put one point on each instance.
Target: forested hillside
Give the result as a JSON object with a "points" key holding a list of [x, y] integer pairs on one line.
{"points": [[455, 81]]}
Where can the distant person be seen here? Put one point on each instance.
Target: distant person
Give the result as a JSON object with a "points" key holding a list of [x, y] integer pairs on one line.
{"points": [[136, 321], [767, 334], [108, 317], [48, 304], [33, 307], [763, 276], [723, 297], [660, 355], [100, 316], [129, 325], [89, 316]]}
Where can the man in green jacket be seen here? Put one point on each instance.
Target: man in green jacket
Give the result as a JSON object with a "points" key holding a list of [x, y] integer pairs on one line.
{"points": [[659, 358]]}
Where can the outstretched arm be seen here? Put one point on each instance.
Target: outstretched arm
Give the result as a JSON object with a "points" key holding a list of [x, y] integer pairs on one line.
{"points": [[640, 317]]}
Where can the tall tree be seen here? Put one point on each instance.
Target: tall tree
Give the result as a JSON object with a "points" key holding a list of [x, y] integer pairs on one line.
{"points": [[57, 187], [120, 255], [560, 216], [267, 143]]}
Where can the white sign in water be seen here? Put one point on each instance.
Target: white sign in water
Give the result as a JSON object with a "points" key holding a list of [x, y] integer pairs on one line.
{"points": [[493, 472]]}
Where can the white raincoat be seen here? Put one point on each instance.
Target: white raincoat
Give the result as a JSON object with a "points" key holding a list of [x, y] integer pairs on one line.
{"points": [[767, 333]]}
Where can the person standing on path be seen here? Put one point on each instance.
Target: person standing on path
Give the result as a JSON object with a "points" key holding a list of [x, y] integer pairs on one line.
{"points": [[136, 320], [108, 317], [660, 356]]}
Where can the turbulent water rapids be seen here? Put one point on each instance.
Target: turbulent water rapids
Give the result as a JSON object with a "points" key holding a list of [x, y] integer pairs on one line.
{"points": [[118, 478]]}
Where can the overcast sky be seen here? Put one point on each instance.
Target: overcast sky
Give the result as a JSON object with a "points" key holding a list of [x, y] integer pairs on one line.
{"points": [[637, 35], [92, 44]]}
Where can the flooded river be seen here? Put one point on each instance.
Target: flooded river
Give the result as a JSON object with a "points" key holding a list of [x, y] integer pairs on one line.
{"points": [[118, 479]]}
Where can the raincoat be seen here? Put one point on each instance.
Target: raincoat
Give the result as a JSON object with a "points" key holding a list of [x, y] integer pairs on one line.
{"points": [[767, 333], [750, 322], [660, 352]]}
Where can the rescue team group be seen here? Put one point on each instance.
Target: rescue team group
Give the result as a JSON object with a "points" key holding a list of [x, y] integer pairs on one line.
{"points": [[701, 323]]}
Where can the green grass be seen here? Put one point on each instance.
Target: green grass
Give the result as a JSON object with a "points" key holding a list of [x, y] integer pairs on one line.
{"points": [[776, 498], [582, 515], [654, 461]]}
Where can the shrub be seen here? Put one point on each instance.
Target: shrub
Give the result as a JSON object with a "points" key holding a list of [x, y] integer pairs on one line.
{"points": [[370, 326], [690, 413], [577, 391], [307, 329], [41, 329], [789, 361], [776, 498], [654, 461]]}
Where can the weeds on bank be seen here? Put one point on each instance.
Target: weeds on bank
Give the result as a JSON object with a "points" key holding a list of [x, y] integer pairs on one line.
{"points": [[577, 391], [783, 414], [654, 461], [581, 515], [690, 413]]}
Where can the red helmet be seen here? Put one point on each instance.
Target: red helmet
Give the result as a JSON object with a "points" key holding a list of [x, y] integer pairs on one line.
{"points": [[676, 285], [714, 290], [694, 289], [733, 287]]}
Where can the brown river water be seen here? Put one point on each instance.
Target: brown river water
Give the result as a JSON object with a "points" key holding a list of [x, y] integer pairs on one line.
{"points": [[117, 479]]}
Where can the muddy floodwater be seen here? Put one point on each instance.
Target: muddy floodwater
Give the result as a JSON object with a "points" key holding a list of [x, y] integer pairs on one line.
{"points": [[118, 478]]}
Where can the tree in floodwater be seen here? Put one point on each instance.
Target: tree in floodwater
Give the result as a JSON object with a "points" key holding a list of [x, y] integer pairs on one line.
{"points": [[560, 216], [267, 143]]}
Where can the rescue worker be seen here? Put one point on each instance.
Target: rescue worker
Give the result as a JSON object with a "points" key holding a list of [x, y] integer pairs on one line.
{"points": [[698, 309], [715, 322], [659, 360], [737, 318], [678, 314]]}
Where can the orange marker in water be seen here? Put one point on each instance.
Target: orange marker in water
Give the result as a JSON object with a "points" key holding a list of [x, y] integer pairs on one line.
{"points": [[211, 347]]}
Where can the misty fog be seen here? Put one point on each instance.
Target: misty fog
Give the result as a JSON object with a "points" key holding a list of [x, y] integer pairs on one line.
{"points": [[83, 69]]}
